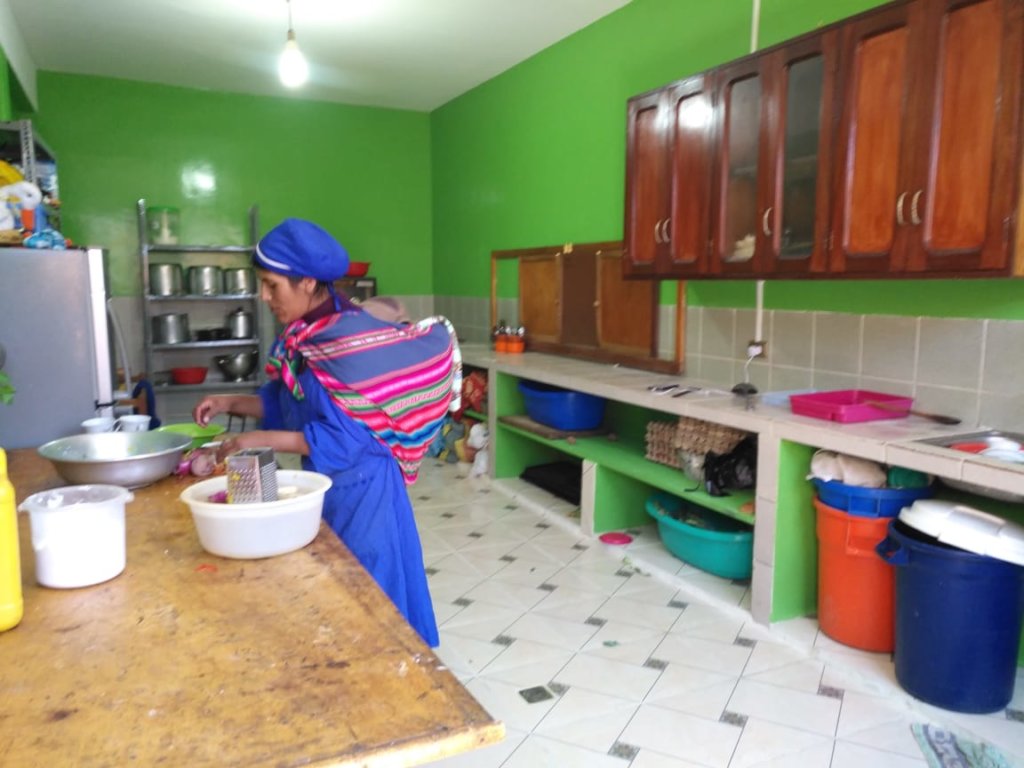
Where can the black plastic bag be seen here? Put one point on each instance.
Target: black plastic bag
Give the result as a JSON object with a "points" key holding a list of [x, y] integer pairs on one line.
{"points": [[736, 469]]}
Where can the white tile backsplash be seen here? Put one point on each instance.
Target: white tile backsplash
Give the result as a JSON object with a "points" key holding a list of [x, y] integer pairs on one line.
{"points": [[950, 351], [966, 367]]}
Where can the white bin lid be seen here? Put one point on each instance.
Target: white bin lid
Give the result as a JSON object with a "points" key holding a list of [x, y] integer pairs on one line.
{"points": [[967, 528]]}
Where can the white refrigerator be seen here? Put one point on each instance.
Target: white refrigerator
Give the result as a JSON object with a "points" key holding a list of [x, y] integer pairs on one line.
{"points": [[55, 343]]}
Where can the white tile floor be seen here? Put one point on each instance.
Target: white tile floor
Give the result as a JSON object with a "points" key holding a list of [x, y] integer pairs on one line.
{"points": [[641, 661]]}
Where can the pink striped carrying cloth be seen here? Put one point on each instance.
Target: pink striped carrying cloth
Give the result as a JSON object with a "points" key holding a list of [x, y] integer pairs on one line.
{"points": [[398, 381]]}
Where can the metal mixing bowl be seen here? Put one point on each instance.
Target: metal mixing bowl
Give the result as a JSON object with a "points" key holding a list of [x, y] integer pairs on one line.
{"points": [[128, 459], [237, 367]]}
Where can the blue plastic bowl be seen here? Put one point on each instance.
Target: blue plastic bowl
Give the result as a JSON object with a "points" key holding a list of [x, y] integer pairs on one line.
{"points": [[562, 408], [703, 538]]}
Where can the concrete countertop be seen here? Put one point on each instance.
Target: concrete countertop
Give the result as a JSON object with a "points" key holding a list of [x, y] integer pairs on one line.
{"points": [[890, 441]]}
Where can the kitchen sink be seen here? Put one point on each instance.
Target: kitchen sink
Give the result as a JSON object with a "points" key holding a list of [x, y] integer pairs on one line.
{"points": [[998, 439], [974, 437]]}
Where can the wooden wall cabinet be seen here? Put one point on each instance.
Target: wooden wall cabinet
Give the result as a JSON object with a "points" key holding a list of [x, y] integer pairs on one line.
{"points": [[885, 145], [669, 146], [929, 139], [795, 176], [574, 301]]}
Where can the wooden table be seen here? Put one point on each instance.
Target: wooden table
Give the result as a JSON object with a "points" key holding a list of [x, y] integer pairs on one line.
{"points": [[191, 659]]}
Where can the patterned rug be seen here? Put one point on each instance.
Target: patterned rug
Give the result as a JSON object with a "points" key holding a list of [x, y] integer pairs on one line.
{"points": [[944, 749]]}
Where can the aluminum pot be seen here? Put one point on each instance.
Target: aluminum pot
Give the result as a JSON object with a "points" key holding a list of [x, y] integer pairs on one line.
{"points": [[205, 281], [239, 281], [165, 280], [170, 328], [239, 324]]}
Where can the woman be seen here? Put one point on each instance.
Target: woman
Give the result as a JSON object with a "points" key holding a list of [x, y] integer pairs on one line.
{"points": [[358, 397]]}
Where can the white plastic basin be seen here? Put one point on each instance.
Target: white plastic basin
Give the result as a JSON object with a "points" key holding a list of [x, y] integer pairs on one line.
{"points": [[264, 529]]}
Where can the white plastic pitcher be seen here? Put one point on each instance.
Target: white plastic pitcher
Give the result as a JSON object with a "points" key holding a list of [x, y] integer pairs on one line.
{"points": [[78, 534]]}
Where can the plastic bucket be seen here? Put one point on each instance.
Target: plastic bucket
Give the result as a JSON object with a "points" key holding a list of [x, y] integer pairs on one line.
{"points": [[869, 502], [958, 622], [855, 589], [78, 534]]}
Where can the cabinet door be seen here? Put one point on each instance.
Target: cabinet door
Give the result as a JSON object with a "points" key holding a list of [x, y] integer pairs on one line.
{"points": [[579, 319], [736, 214], [880, 88], [800, 92], [626, 309], [691, 147], [540, 296], [647, 184], [961, 200]]}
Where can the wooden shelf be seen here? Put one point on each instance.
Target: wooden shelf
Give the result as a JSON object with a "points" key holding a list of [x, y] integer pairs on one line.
{"points": [[629, 460]]}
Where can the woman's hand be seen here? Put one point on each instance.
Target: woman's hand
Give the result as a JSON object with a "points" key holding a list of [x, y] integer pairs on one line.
{"points": [[214, 405], [207, 408], [238, 442], [282, 441]]}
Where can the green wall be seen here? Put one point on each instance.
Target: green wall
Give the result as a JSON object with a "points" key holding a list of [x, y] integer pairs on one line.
{"points": [[362, 173], [536, 156], [6, 112]]}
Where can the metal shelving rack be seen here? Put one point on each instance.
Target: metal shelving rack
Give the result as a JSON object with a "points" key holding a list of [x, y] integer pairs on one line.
{"points": [[31, 149], [229, 256]]}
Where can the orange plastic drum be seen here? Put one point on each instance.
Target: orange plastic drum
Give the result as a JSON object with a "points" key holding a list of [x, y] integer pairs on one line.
{"points": [[855, 586]]}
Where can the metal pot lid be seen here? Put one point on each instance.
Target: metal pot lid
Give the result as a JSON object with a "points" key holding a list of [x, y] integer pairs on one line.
{"points": [[967, 528]]}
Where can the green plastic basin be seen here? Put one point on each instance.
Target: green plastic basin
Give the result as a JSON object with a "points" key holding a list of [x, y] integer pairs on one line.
{"points": [[200, 435]]}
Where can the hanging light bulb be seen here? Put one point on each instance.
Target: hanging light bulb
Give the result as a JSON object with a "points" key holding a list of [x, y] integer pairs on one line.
{"points": [[292, 67]]}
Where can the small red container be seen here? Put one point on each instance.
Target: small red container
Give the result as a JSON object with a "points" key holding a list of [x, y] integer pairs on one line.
{"points": [[850, 405], [195, 375], [977, 447], [357, 268]]}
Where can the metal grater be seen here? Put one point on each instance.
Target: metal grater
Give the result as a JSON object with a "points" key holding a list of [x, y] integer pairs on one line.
{"points": [[252, 476]]}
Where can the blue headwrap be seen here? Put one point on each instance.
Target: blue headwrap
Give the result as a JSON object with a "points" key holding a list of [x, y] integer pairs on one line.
{"points": [[298, 248]]}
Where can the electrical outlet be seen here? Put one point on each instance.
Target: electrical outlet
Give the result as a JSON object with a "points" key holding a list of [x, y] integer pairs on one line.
{"points": [[756, 349]]}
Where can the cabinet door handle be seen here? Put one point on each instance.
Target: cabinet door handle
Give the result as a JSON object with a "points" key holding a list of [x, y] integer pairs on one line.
{"points": [[914, 218], [899, 209], [657, 231], [665, 236], [764, 221]]}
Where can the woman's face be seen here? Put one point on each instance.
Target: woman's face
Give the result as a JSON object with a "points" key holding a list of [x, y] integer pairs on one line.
{"points": [[287, 300]]}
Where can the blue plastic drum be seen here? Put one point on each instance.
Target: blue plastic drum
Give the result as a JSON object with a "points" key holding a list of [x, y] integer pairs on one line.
{"points": [[958, 622]]}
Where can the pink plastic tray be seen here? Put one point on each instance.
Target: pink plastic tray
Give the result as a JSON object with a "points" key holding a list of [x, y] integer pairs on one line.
{"points": [[849, 405]]}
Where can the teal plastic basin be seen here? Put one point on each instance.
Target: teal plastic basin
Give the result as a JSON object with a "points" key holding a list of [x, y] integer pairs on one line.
{"points": [[703, 538]]}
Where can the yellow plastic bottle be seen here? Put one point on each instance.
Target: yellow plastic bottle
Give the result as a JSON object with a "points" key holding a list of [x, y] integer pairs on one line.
{"points": [[11, 605]]}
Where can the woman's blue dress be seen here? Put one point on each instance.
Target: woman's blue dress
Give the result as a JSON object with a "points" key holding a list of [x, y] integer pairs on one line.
{"points": [[368, 505]]}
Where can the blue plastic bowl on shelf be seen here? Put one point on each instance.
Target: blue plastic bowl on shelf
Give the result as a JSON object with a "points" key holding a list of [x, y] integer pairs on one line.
{"points": [[703, 538], [562, 408], [869, 502]]}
